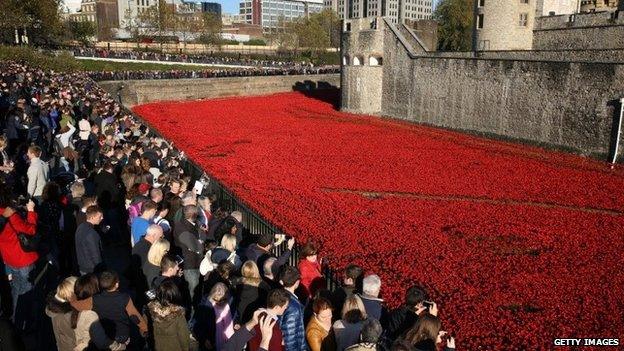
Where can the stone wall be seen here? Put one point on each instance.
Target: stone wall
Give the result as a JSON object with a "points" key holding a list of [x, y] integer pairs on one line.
{"points": [[564, 105], [559, 103], [601, 30], [571, 55], [137, 92]]}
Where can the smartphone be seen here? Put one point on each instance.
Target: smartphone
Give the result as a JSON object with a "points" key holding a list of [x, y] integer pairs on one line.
{"points": [[151, 294], [179, 259]]}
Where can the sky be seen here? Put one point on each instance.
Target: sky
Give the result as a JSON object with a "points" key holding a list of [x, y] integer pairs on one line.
{"points": [[229, 6]]}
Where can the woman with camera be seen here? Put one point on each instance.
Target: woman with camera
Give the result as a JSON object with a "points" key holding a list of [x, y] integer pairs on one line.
{"points": [[426, 335], [17, 221]]}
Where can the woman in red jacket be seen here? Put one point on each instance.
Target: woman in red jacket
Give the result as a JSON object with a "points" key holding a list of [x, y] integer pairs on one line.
{"points": [[310, 269], [18, 263]]}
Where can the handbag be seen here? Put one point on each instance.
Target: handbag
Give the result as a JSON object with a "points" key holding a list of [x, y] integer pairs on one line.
{"points": [[28, 243]]}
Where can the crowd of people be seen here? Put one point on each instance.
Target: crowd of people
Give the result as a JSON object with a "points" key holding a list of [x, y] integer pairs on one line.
{"points": [[186, 58], [107, 243], [210, 73]]}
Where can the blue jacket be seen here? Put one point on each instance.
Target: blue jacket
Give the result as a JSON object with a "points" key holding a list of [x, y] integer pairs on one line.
{"points": [[292, 326]]}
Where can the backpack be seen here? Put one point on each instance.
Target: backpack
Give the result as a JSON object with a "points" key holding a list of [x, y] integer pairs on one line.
{"points": [[134, 210]]}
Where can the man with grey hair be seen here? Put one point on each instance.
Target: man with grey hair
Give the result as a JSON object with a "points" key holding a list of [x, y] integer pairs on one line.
{"points": [[141, 248], [369, 336], [188, 199], [371, 286], [237, 216], [139, 256], [269, 269]]}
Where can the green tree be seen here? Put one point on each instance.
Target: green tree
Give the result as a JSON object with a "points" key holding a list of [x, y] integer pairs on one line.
{"points": [[455, 18], [330, 23], [40, 19], [82, 31]]}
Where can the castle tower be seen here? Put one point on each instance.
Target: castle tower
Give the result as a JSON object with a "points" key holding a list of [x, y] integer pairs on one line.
{"points": [[504, 24], [508, 25]]}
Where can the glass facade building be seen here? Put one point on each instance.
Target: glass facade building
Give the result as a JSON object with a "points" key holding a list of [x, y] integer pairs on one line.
{"points": [[268, 12]]}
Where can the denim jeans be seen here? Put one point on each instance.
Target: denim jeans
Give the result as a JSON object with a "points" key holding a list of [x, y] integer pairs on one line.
{"points": [[192, 278], [20, 283]]}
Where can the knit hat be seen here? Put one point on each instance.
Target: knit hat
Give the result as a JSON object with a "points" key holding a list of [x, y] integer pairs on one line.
{"points": [[143, 188]]}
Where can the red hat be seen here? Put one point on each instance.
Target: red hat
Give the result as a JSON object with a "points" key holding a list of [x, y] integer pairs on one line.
{"points": [[144, 187]]}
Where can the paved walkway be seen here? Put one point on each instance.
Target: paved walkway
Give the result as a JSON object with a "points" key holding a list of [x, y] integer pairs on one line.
{"points": [[166, 62]]}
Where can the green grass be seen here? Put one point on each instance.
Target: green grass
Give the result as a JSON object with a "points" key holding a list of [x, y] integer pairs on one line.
{"points": [[63, 62], [92, 65]]}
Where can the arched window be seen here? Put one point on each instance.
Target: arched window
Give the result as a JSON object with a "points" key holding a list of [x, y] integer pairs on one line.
{"points": [[375, 61], [345, 60], [357, 61]]}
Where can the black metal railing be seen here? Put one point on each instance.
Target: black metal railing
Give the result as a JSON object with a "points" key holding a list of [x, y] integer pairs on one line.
{"points": [[252, 222]]}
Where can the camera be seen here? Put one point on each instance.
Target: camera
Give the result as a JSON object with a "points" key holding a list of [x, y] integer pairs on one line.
{"points": [[21, 201], [427, 304]]}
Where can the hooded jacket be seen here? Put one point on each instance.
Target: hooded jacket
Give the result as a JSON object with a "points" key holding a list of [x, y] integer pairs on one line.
{"points": [[60, 312], [171, 332]]}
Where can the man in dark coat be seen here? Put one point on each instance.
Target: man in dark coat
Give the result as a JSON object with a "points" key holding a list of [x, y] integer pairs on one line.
{"points": [[351, 284], [191, 244], [88, 242], [261, 251], [107, 187], [405, 316]]}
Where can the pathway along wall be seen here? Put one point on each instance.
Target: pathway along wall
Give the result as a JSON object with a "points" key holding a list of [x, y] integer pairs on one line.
{"points": [[136, 92]]}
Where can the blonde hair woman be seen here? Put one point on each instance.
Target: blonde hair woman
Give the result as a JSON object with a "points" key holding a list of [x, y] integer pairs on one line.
{"points": [[250, 294], [228, 242], [225, 252], [77, 190], [251, 273], [347, 329], [60, 311], [151, 268]]}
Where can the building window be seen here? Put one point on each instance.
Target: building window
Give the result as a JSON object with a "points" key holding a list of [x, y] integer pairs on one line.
{"points": [[481, 3], [524, 19], [356, 61], [480, 21], [524, 1], [374, 61]]}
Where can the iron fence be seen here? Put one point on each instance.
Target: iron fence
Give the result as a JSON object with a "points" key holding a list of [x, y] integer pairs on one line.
{"points": [[252, 222]]}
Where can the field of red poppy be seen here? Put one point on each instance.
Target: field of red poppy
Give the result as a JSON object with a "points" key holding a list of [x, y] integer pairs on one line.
{"points": [[518, 245]]}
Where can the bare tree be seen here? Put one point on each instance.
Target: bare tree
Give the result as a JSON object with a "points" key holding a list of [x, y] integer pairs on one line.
{"points": [[210, 30]]}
